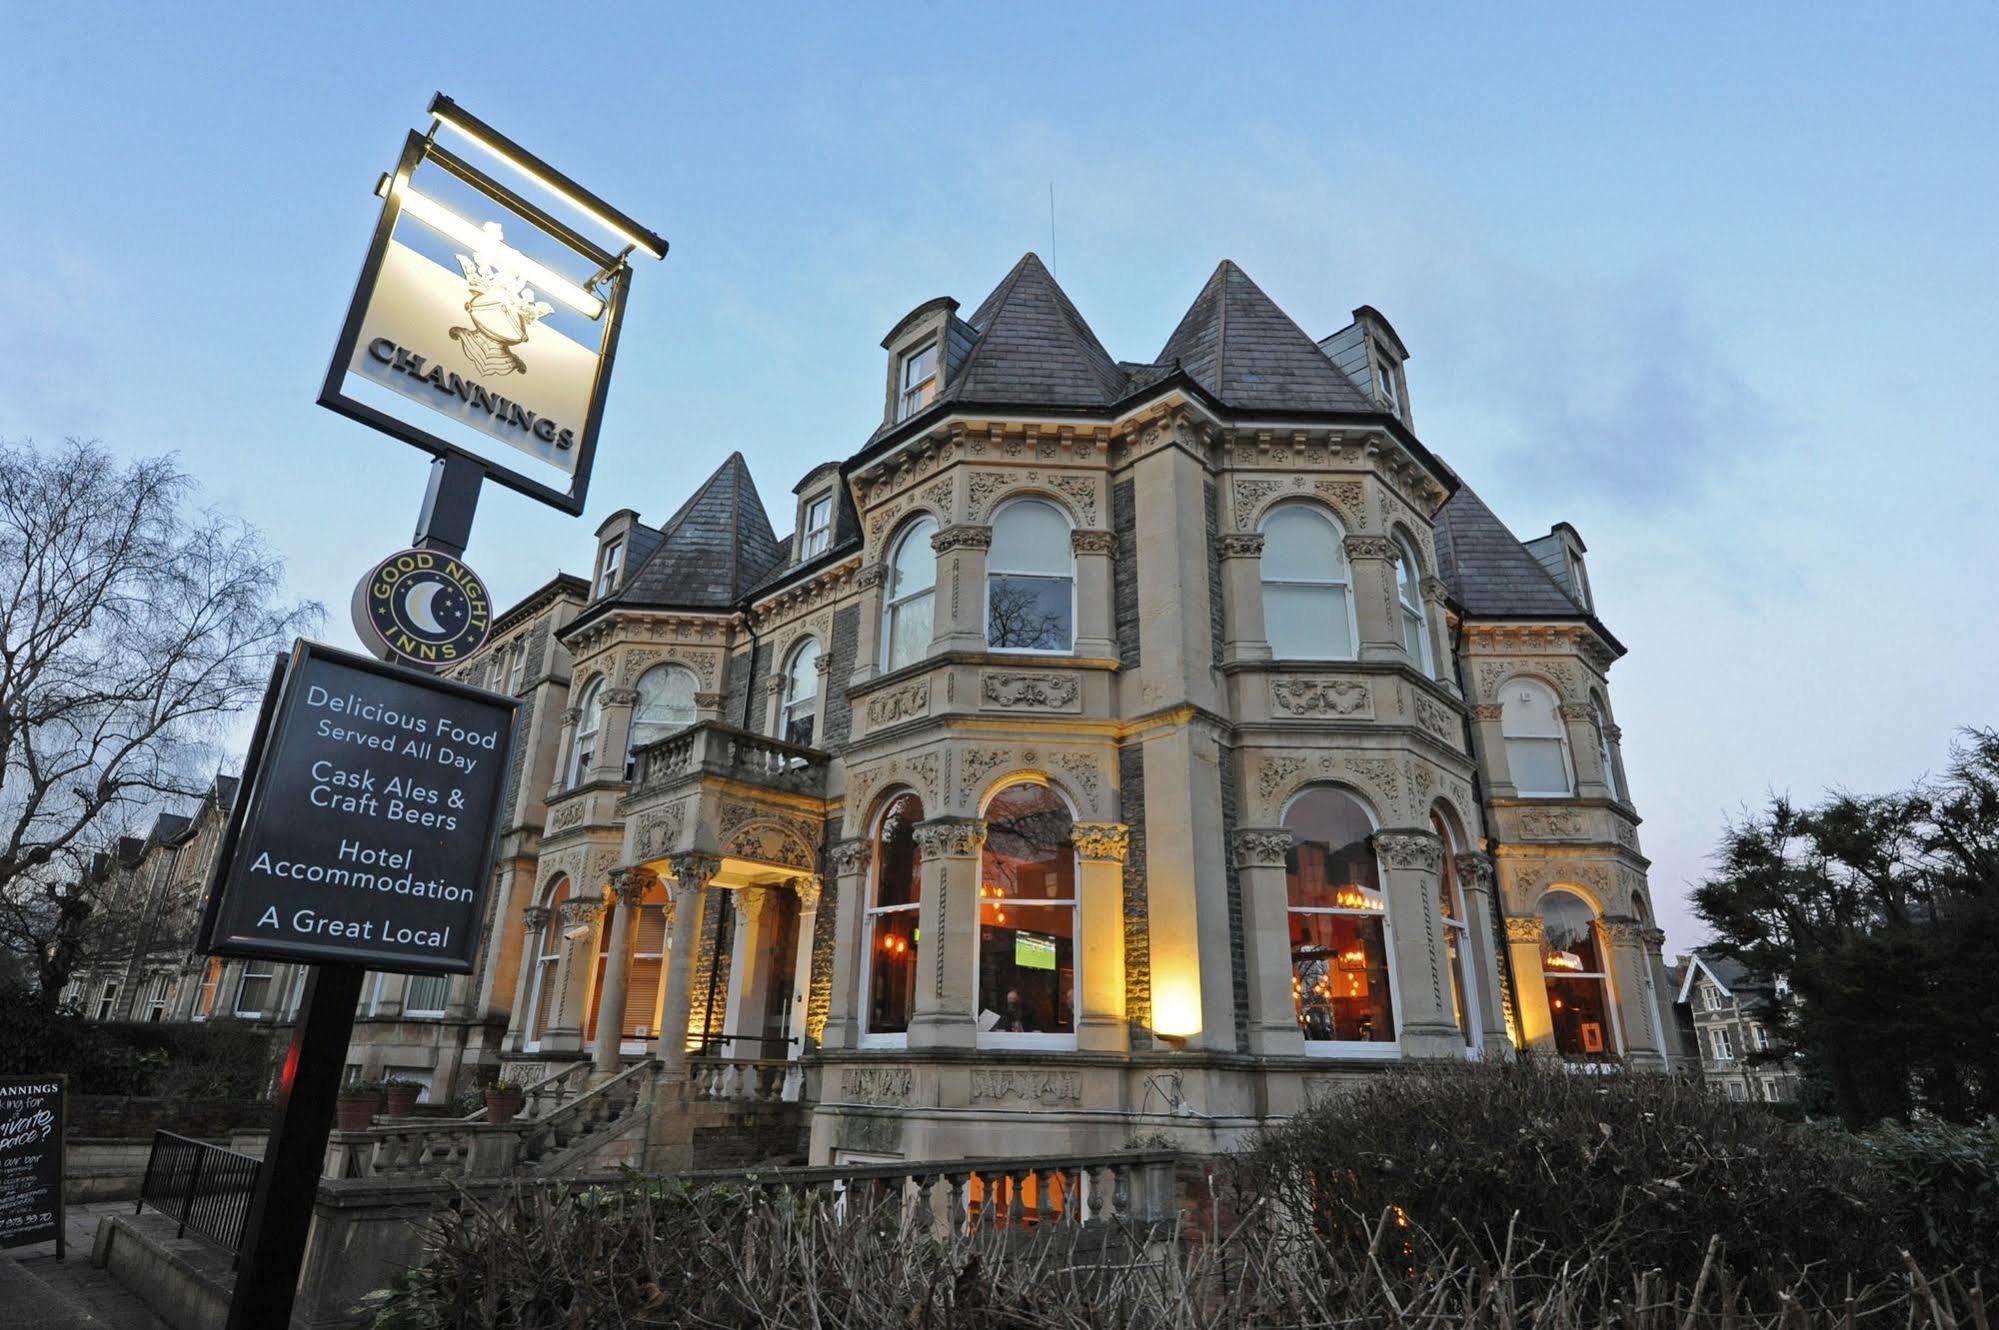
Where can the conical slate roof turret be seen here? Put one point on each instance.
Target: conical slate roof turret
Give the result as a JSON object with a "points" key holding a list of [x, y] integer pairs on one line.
{"points": [[1235, 342], [712, 551]]}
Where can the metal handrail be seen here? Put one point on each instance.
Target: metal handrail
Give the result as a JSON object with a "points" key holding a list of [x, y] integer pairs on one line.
{"points": [[203, 1188]]}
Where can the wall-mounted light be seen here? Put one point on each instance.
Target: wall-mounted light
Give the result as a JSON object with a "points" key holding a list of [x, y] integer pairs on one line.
{"points": [[1176, 1015], [456, 229]]}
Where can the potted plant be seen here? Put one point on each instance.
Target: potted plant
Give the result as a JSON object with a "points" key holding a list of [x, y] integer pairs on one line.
{"points": [[503, 1101], [354, 1108], [399, 1096]]}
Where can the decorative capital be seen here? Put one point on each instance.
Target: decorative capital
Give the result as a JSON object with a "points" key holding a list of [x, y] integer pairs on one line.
{"points": [[572, 913], [1103, 842], [1486, 710], [775, 684], [1528, 929], [707, 701], [850, 857], [1474, 871], [695, 871], [963, 536], [1261, 847], [534, 918], [871, 576], [950, 837], [1092, 542], [750, 902], [1655, 938], [571, 715], [1623, 929], [823, 662], [1434, 589], [628, 886], [1370, 547], [1614, 733], [621, 697], [1576, 711], [1419, 850], [1242, 545], [808, 891]]}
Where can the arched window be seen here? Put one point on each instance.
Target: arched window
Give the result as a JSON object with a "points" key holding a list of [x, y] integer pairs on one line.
{"points": [[910, 590], [1339, 942], [890, 979], [1307, 608], [1027, 915], [1600, 722], [1409, 591], [665, 706], [1030, 579], [1578, 985], [1457, 934], [1537, 744], [583, 748], [801, 694], [547, 955]]}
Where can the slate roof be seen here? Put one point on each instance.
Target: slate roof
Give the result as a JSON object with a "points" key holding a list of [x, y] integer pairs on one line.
{"points": [[1034, 348], [710, 552], [1488, 570], [1235, 342]]}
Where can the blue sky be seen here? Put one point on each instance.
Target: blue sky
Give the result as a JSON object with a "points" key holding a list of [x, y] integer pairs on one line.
{"points": [[1714, 284]]}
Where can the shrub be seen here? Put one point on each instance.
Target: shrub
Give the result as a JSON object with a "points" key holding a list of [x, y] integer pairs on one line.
{"points": [[1638, 1172], [215, 1059], [1945, 1183]]}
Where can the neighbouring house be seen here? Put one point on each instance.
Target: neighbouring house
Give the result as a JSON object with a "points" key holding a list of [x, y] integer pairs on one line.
{"points": [[1733, 1016]]}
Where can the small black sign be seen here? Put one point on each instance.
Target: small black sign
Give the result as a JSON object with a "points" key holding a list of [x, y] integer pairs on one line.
{"points": [[31, 1114], [365, 832], [422, 607]]}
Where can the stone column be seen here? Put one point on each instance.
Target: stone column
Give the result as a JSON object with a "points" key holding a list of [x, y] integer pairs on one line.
{"points": [[1581, 726], [1616, 736], [692, 874], [1638, 1016], [773, 707], [1095, 553], [1375, 613], [1100, 1017], [627, 889], [1243, 634], [807, 891], [533, 920], [867, 646], [565, 1033], [1524, 936], [708, 709], [1489, 747], [565, 750], [850, 871], [1434, 621], [389, 991], [749, 972], [958, 611], [1266, 927], [1671, 1046], [1412, 863], [1481, 966], [614, 733], [948, 914]]}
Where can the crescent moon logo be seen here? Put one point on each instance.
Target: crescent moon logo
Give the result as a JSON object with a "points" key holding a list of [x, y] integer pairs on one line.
{"points": [[419, 602], [422, 607]]}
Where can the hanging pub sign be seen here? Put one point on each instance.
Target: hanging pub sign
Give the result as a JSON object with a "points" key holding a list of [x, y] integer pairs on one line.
{"points": [[364, 831], [31, 1122], [481, 319], [422, 607]]}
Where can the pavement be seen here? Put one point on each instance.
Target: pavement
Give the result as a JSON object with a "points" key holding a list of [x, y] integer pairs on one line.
{"points": [[37, 1290]]}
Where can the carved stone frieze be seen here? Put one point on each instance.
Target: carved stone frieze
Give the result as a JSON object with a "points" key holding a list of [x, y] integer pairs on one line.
{"points": [[1348, 496], [1260, 847], [1527, 928], [568, 814], [1081, 492], [871, 1133], [877, 1085], [1081, 770], [850, 857], [1024, 690], [1247, 497], [1540, 824], [1371, 547], [658, 832], [767, 835], [1102, 842], [1027, 1084], [1300, 695], [1242, 545], [1088, 541], [962, 537], [1439, 721], [1418, 850], [893, 704]]}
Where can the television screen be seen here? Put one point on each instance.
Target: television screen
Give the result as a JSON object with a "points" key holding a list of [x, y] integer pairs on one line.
{"points": [[1032, 951]]}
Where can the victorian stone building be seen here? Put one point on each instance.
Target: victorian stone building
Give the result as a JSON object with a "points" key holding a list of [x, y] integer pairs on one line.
{"points": [[1112, 747], [1732, 1012]]}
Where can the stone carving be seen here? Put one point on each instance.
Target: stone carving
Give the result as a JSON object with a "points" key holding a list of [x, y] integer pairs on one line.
{"points": [[877, 1085], [628, 886], [1528, 929], [1081, 769], [1493, 673], [1092, 542], [1420, 850], [1301, 696], [1474, 871], [750, 901], [1623, 931], [1576, 711], [871, 576], [1627, 835], [572, 913], [1034, 1085], [637, 662], [568, 815], [534, 918], [1487, 711], [880, 518], [695, 871], [950, 837], [923, 771], [1261, 847], [984, 485], [911, 699], [1105, 842], [850, 857], [1381, 772], [1029, 691], [659, 832], [1371, 547], [872, 1133], [1421, 778], [1348, 497], [974, 767], [1551, 826], [962, 537], [808, 891], [1242, 545], [1438, 721], [938, 495], [1248, 496], [1275, 774], [767, 836], [1080, 491]]}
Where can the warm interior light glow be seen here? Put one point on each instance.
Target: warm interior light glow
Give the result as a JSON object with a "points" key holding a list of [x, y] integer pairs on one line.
{"points": [[1176, 1012], [1359, 898], [634, 241], [1561, 960], [456, 229]]}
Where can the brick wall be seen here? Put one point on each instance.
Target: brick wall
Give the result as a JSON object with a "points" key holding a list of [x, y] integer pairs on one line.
{"points": [[1124, 586], [1238, 954], [1137, 907], [846, 640]]}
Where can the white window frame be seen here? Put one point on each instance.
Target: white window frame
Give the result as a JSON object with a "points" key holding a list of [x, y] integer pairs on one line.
{"points": [[107, 999], [1344, 581], [909, 397], [1561, 737], [790, 701], [1381, 1050], [632, 725], [1600, 721], [991, 572], [159, 997], [1410, 606], [892, 602], [1458, 921], [816, 537], [269, 974], [1602, 976], [1759, 1037], [1721, 1044], [611, 566], [443, 982], [1384, 374], [1035, 1039], [545, 963], [876, 859], [583, 743], [517, 656]]}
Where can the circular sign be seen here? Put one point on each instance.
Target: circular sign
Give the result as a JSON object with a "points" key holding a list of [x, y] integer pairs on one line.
{"points": [[422, 607]]}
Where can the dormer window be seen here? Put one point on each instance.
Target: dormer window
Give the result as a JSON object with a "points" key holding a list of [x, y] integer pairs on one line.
{"points": [[919, 381], [818, 527], [609, 566], [1579, 580], [1384, 377]]}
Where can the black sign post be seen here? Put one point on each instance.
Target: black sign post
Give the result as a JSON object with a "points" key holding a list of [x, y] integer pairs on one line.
{"points": [[363, 837], [31, 1123]]}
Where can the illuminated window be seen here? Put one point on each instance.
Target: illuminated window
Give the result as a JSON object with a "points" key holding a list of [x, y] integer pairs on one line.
{"points": [[1339, 943], [1537, 744], [547, 955], [1409, 592], [818, 527], [1027, 918], [1030, 579], [919, 381], [801, 694], [910, 591], [211, 983], [609, 566], [583, 748], [665, 706], [892, 933], [1572, 970], [1457, 936], [1307, 605]]}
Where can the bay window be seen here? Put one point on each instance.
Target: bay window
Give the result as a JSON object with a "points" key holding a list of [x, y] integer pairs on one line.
{"points": [[1338, 924], [1578, 985], [583, 745], [1027, 919], [1030, 579], [889, 977], [1537, 743], [665, 706], [1409, 595], [909, 592], [1307, 585]]}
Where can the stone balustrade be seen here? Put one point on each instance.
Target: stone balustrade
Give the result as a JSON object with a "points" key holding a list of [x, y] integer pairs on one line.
{"points": [[746, 1080], [712, 748]]}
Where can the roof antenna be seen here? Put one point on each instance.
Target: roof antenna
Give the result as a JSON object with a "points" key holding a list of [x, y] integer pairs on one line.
{"points": [[1054, 262]]}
